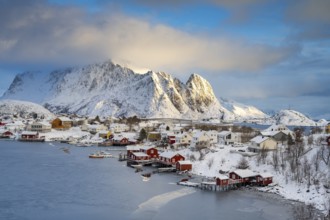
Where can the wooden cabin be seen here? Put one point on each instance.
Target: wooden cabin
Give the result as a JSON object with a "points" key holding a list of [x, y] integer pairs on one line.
{"points": [[150, 151], [31, 136], [139, 156], [120, 142], [222, 180], [6, 134], [264, 179], [245, 176], [154, 136], [170, 158], [183, 165], [132, 149], [62, 123]]}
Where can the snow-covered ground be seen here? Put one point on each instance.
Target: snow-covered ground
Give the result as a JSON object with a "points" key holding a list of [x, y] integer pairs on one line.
{"points": [[222, 158]]}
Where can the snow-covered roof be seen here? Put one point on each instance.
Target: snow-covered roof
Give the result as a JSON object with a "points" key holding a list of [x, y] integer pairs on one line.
{"points": [[244, 173], [184, 162], [62, 118], [265, 175], [168, 154], [269, 133], [146, 147], [44, 123], [29, 133], [223, 177], [259, 139], [223, 133], [133, 147], [140, 154]]}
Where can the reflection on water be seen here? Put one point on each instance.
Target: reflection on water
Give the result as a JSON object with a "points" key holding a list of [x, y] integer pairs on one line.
{"points": [[41, 182]]}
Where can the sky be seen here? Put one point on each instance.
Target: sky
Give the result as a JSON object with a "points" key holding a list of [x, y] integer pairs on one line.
{"points": [[272, 54]]}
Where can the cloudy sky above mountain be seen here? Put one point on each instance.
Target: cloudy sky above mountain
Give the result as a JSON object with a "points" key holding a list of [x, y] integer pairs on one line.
{"points": [[267, 53]]}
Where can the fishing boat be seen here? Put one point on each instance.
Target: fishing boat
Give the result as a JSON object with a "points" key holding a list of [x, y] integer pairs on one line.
{"points": [[96, 156]]}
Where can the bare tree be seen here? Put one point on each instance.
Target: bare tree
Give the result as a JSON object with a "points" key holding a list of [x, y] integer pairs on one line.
{"points": [[243, 164], [275, 160], [325, 154], [210, 162]]}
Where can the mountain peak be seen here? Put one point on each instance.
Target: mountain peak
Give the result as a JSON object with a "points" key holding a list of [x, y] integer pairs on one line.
{"points": [[109, 89]]}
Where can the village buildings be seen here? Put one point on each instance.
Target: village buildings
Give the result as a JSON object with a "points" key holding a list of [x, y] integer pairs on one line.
{"points": [[62, 123], [39, 126]]}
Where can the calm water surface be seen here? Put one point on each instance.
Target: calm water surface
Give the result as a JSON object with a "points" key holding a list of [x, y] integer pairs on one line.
{"points": [[39, 181]]}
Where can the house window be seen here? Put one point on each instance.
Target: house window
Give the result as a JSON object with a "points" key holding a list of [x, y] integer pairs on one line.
{"points": [[151, 151]]}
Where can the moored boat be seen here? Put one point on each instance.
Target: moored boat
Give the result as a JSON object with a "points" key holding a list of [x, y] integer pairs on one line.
{"points": [[96, 156]]}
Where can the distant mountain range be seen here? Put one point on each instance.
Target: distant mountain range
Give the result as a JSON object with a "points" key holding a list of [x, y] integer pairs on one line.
{"points": [[108, 89]]}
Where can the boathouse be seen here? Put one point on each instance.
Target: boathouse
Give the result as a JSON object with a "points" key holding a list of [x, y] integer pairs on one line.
{"points": [[139, 156], [244, 176], [29, 135], [222, 180], [263, 179], [183, 165], [170, 158], [131, 149], [150, 151]]}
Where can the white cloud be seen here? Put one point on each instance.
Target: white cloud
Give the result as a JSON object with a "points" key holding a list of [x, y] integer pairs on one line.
{"points": [[61, 35]]}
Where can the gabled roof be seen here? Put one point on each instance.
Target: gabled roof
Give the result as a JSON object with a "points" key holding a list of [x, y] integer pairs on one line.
{"points": [[244, 173], [222, 177], [140, 154], [224, 133], [29, 133], [168, 154], [265, 175], [146, 147], [184, 162], [259, 139], [62, 118], [133, 147]]}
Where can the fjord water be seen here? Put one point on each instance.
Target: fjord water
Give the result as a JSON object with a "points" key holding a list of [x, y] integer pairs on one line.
{"points": [[39, 181]]}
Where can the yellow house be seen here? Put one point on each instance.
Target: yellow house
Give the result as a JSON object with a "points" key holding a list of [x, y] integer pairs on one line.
{"points": [[62, 123], [327, 129], [264, 143]]}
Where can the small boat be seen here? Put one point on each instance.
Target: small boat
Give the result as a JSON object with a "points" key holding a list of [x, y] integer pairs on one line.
{"points": [[146, 175], [136, 165], [96, 156]]}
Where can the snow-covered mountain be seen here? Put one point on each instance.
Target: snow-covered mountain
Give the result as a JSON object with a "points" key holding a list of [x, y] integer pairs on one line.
{"points": [[109, 89], [242, 111], [23, 108], [294, 118]]}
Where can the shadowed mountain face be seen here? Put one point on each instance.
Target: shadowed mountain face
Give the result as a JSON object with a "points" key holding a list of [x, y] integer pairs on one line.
{"points": [[109, 89]]}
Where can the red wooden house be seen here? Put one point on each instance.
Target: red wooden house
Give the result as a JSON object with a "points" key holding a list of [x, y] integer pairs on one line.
{"points": [[139, 156], [131, 149], [6, 134], [171, 139], [222, 180], [264, 179], [244, 176], [120, 142], [150, 151], [170, 158], [183, 165], [29, 135]]}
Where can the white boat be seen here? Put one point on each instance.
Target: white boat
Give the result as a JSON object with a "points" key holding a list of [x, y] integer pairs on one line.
{"points": [[106, 154]]}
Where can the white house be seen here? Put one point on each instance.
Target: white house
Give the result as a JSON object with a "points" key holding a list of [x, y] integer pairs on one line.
{"points": [[15, 126], [199, 136], [229, 137], [183, 139], [40, 126]]}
